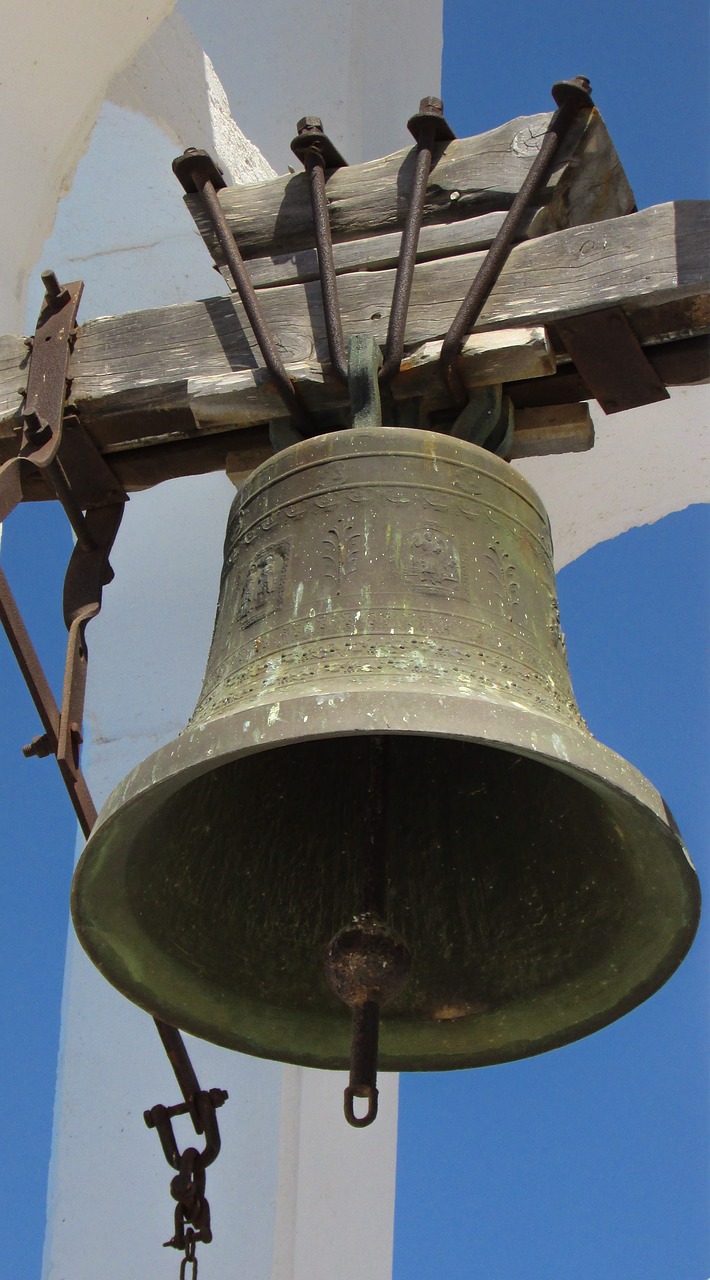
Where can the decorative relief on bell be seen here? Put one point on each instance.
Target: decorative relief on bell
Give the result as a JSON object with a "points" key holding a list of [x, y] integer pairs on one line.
{"points": [[505, 577], [555, 626], [431, 561], [262, 592], [407, 571], [342, 549]]}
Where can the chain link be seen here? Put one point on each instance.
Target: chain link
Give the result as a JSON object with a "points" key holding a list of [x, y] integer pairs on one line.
{"points": [[190, 1258]]}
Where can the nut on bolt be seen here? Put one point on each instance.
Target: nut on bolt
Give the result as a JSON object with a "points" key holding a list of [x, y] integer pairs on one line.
{"points": [[577, 92], [309, 124], [432, 106]]}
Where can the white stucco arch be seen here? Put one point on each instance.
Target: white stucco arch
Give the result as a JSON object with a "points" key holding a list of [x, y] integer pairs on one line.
{"points": [[57, 61]]}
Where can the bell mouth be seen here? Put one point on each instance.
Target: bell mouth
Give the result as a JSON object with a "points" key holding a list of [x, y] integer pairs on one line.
{"points": [[537, 878]]}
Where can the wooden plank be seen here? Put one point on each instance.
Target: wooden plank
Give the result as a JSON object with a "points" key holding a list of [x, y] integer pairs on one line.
{"points": [[224, 400], [485, 359], [14, 360], [469, 177], [444, 240]]}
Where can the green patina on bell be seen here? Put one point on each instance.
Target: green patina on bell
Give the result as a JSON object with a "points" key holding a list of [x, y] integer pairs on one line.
{"points": [[387, 590]]}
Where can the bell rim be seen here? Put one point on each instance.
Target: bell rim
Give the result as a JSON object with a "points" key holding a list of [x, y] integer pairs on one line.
{"points": [[201, 749]]}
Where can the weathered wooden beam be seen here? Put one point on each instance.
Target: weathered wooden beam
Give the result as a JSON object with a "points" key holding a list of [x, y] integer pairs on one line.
{"points": [[217, 402], [161, 376], [640, 262], [470, 176]]}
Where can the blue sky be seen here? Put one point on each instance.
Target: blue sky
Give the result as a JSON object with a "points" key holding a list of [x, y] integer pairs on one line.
{"points": [[591, 1161]]}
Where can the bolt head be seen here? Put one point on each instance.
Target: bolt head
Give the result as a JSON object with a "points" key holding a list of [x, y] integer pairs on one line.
{"points": [[432, 106]]}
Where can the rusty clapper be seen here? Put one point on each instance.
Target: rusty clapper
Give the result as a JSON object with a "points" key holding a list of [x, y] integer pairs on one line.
{"points": [[386, 797]]}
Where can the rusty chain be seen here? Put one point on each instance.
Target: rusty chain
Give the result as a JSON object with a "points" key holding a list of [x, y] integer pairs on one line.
{"points": [[192, 1210]]}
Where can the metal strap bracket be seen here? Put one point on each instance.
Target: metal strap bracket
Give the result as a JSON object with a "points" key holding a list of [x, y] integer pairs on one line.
{"points": [[55, 444], [364, 361], [611, 360]]}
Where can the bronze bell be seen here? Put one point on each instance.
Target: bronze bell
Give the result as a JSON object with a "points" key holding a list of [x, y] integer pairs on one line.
{"points": [[387, 733]]}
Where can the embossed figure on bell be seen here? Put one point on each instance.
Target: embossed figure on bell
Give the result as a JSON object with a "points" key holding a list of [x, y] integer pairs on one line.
{"points": [[393, 586]]}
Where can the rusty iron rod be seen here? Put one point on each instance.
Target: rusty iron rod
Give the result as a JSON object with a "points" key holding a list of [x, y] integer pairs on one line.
{"points": [[174, 1046], [72, 510], [247, 294], [365, 1016], [571, 96], [315, 168], [394, 345], [427, 127]]}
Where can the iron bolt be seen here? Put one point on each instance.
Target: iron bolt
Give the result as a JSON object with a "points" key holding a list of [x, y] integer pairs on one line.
{"points": [[432, 106], [39, 747], [53, 290]]}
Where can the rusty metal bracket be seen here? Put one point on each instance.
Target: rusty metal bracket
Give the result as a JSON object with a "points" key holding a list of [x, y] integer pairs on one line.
{"points": [[364, 361], [611, 360], [82, 481], [488, 420], [55, 443]]}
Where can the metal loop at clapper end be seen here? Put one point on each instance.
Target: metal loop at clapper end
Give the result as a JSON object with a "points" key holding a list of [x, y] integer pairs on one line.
{"points": [[367, 1091]]}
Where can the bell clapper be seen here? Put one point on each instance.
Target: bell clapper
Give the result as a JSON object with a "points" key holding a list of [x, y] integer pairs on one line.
{"points": [[367, 962]]}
